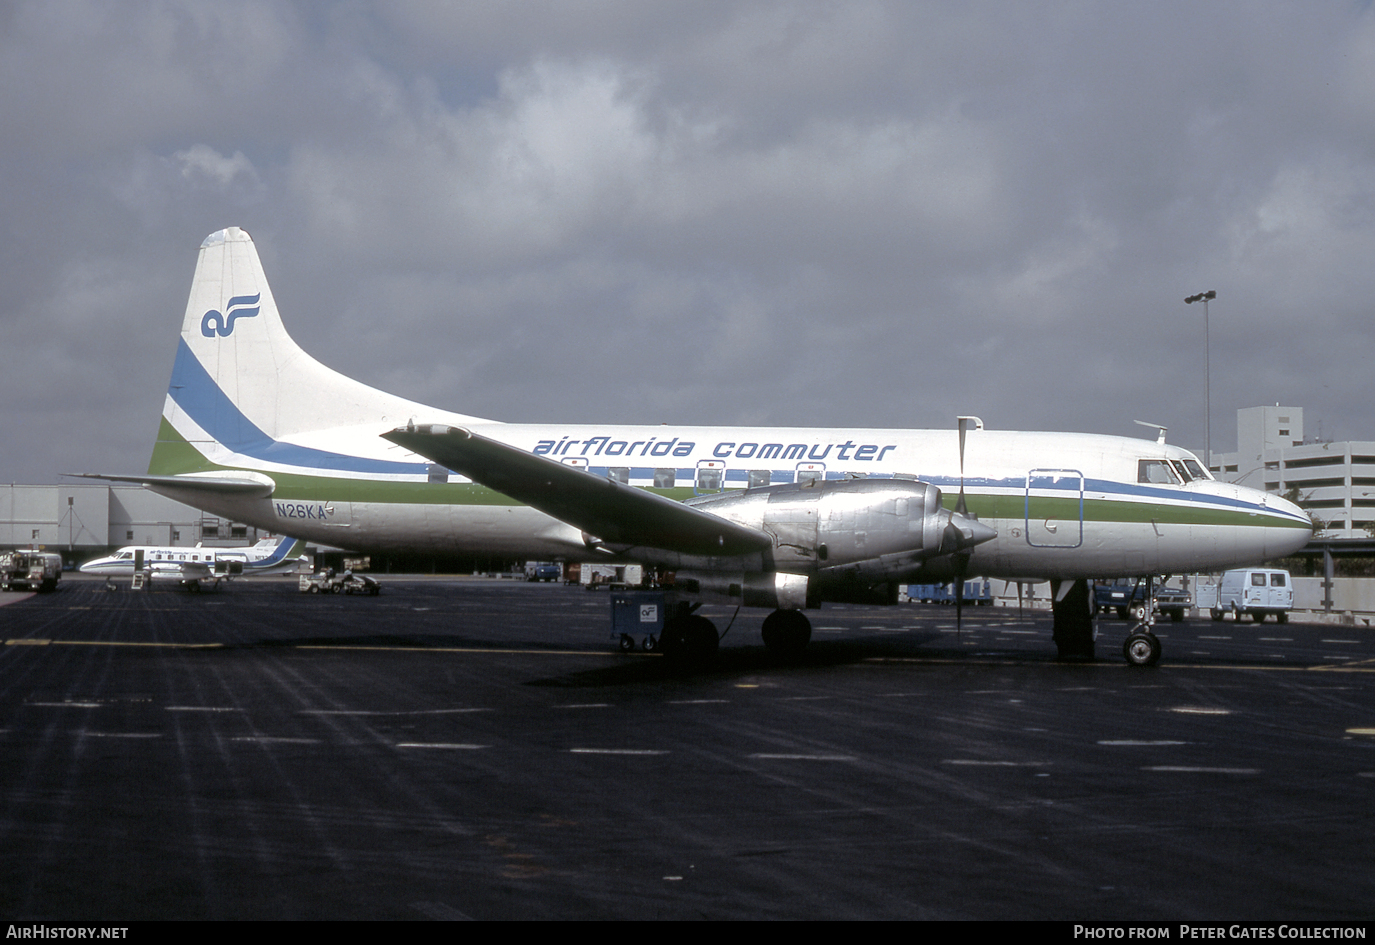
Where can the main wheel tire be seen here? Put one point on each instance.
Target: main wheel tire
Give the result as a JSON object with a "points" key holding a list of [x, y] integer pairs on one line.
{"points": [[1141, 649], [786, 632], [689, 641]]}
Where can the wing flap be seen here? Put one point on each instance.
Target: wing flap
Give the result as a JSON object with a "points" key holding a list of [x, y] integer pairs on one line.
{"points": [[616, 514]]}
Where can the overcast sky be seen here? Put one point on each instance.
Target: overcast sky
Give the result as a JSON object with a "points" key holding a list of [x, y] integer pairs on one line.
{"points": [[848, 214]]}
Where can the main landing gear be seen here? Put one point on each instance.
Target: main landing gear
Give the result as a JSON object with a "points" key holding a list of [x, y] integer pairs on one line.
{"points": [[1072, 620], [786, 632], [689, 640]]}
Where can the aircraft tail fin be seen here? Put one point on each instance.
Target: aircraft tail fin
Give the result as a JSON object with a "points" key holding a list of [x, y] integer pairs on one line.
{"points": [[242, 391]]}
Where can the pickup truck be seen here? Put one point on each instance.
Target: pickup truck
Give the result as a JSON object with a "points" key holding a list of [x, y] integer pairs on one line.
{"points": [[1128, 594], [542, 571]]}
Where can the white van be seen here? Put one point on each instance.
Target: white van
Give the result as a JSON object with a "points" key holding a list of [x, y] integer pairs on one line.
{"points": [[1258, 592]]}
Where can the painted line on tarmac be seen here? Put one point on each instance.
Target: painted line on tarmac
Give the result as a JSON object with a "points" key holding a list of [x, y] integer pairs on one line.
{"points": [[399, 712], [615, 751], [39, 642], [1134, 742], [976, 660], [471, 649], [975, 763], [201, 708], [1188, 769]]}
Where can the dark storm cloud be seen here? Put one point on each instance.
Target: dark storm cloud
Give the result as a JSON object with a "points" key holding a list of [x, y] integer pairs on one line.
{"points": [[858, 214]]}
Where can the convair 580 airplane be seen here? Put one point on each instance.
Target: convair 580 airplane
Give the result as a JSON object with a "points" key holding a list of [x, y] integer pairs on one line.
{"points": [[256, 430]]}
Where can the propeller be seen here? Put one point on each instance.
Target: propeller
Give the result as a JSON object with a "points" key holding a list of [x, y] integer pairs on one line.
{"points": [[961, 561]]}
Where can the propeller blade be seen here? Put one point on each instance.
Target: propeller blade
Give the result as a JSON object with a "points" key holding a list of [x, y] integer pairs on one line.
{"points": [[977, 532], [963, 426]]}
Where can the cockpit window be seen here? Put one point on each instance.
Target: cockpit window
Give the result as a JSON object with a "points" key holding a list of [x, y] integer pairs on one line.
{"points": [[1179, 468], [1196, 469], [1156, 471]]}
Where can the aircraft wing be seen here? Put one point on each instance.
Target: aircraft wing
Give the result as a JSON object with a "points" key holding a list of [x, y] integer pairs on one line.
{"points": [[611, 512], [185, 570]]}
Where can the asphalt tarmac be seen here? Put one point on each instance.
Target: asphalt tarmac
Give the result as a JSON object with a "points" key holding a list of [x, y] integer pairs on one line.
{"points": [[468, 749]]}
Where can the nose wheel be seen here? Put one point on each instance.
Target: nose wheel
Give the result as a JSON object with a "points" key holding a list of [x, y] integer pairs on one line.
{"points": [[1142, 648]]}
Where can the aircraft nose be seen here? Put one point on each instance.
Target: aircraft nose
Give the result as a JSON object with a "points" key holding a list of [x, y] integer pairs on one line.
{"points": [[1287, 540], [1284, 505]]}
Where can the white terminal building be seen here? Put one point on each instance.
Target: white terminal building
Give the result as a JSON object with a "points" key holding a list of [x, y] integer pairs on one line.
{"points": [[1334, 481]]}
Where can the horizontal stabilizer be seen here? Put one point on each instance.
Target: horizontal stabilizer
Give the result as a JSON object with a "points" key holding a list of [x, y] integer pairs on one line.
{"points": [[616, 514], [247, 485]]}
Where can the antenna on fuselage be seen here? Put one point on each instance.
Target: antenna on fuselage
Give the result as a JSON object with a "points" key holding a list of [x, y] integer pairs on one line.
{"points": [[1160, 438]]}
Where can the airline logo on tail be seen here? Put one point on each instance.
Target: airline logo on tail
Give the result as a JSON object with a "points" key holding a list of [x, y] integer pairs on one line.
{"points": [[216, 324]]}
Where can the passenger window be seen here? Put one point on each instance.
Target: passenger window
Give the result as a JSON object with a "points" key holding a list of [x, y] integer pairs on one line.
{"points": [[758, 478], [1258, 580], [619, 474], [1155, 471], [810, 472], [665, 478], [710, 475], [1277, 580]]}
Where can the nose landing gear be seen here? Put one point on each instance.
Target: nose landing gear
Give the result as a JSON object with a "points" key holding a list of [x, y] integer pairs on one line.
{"points": [[1142, 646]]}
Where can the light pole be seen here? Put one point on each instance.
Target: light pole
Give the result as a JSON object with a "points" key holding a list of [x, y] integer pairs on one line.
{"points": [[1207, 373]]}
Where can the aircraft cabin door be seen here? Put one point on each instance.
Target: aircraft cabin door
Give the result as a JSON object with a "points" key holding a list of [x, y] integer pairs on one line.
{"points": [[1055, 508]]}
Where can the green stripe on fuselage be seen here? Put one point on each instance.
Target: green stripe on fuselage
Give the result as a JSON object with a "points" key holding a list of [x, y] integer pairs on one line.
{"points": [[1056, 509]]}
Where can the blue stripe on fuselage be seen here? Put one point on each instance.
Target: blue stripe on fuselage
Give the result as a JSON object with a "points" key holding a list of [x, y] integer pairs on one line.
{"points": [[197, 394]]}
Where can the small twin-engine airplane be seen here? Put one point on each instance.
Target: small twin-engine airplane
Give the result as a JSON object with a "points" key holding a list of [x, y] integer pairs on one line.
{"points": [[256, 430], [193, 565]]}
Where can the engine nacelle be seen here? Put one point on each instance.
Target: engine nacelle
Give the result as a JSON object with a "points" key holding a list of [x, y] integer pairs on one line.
{"points": [[820, 525]]}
